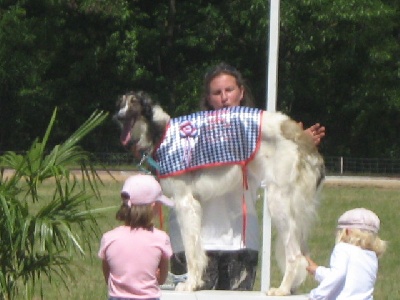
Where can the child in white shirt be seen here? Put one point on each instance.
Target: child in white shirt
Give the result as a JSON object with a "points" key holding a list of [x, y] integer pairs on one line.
{"points": [[354, 259]]}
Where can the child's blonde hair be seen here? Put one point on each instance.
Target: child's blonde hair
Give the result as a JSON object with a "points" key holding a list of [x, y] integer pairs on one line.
{"points": [[360, 227], [362, 238]]}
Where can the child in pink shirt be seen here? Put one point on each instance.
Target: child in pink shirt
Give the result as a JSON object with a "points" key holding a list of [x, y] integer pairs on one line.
{"points": [[136, 255]]}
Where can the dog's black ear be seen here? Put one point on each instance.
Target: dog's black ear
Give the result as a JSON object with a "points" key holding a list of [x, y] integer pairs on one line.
{"points": [[121, 97], [147, 104], [118, 102]]}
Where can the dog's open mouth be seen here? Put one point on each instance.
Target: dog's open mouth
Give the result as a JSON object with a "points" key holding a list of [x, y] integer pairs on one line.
{"points": [[126, 131]]}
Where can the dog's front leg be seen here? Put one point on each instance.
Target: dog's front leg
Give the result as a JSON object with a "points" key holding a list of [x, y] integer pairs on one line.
{"points": [[189, 214], [289, 232]]}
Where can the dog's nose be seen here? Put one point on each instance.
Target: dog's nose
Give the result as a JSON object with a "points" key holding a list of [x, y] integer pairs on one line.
{"points": [[119, 115], [117, 118]]}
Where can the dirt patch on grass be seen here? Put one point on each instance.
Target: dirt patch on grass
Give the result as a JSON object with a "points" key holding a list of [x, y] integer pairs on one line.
{"points": [[104, 175], [117, 175], [330, 180], [383, 182]]}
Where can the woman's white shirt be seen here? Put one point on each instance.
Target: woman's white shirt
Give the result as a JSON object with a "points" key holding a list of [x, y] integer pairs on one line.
{"points": [[222, 223]]}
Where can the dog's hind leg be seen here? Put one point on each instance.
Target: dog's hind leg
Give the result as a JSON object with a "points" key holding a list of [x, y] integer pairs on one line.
{"points": [[189, 214], [289, 241]]}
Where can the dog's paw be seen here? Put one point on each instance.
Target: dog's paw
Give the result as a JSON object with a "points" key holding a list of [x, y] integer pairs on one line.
{"points": [[278, 292]]}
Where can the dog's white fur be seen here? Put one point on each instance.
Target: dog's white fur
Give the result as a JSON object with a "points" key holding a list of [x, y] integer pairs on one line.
{"points": [[287, 162]]}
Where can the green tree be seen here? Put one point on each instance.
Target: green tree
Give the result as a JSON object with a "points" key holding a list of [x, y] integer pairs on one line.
{"points": [[73, 55], [339, 66], [179, 40], [338, 63], [41, 231]]}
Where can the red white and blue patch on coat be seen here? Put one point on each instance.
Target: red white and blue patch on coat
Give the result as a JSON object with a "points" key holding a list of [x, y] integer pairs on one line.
{"points": [[208, 139]]}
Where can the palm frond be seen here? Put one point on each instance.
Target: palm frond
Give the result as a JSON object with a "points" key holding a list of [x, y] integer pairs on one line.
{"points": [[40, 234]]}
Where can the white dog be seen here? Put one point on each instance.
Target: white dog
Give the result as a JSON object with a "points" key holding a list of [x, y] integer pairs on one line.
{"points": [[285, 160]]}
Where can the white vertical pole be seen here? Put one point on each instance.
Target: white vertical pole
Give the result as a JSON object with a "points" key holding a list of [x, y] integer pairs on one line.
{"points": [[266, 249], [341, 165], [274, 21]]}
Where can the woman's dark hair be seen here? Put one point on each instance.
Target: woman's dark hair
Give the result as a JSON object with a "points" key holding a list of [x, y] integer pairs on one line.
{"points": [[224, 68], [136, 216]]}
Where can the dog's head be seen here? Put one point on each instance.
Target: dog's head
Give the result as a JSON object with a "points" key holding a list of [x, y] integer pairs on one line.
{"points": [[131, 107], [142, 122]]}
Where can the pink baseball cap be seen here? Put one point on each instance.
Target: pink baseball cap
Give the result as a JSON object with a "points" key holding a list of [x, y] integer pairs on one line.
{"points": [[143, 189], [360, 218]]}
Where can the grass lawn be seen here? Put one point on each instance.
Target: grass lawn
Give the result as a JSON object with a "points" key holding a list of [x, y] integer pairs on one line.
{"points": [[89, 283]]}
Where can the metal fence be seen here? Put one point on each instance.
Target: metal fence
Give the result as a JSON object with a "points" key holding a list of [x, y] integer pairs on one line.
{"points": [[365, 166], [115, 159], [334, 164]]}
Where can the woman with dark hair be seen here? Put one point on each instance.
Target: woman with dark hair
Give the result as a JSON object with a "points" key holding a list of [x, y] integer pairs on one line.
{"points": [[245, 99]]}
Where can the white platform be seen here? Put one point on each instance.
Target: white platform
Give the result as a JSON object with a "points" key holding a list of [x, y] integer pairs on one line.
{"points": [[224, 295]]}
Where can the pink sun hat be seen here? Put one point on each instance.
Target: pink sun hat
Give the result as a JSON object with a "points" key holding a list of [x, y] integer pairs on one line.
{"points": [[360, 218], [143, 189]]}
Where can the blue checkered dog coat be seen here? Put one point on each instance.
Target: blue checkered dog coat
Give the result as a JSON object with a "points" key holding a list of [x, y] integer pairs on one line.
{"points": [[209, 138]]}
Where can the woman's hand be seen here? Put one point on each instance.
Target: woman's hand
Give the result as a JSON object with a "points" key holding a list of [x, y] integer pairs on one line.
{"points": [[316, 131]]}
